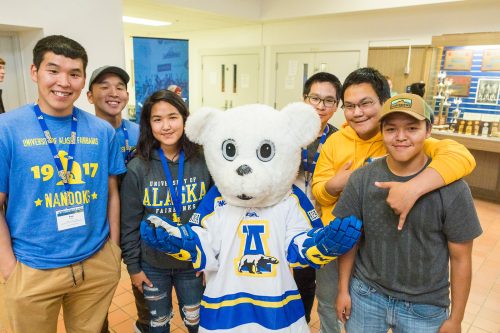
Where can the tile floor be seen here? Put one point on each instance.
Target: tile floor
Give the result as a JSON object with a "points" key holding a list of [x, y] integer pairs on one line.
{"points": [[483, 309]]}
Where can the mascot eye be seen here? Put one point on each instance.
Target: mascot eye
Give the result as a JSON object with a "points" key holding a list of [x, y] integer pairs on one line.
{"points": [[265, 152], [229, 149]]}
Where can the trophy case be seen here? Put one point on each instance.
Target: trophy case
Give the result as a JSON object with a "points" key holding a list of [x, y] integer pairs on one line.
{"points": [[464, 89]]}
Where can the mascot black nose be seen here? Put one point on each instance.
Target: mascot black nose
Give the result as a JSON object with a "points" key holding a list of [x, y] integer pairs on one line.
{"points": [[243, 170]]}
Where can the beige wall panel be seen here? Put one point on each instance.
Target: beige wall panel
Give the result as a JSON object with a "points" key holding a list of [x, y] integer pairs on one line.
{"points": [[392, 61]]}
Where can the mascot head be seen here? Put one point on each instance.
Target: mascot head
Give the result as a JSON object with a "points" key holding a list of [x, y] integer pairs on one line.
{"points": [[253, 151]]}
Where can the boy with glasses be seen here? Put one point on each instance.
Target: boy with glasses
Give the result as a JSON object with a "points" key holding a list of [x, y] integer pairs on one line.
{"points": [[359, 142], [401, 278], [322, 91]]}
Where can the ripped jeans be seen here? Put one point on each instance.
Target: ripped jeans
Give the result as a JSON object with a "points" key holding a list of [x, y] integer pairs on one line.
{"points": [[188, 288]]}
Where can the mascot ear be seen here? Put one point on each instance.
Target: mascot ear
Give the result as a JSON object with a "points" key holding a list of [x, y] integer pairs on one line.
{"points": [[198, 123], [304, 122]]}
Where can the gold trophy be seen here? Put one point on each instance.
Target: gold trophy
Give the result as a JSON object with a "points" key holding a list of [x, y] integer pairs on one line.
{"points": [[445, 106], [440, 96], [455, 114]]}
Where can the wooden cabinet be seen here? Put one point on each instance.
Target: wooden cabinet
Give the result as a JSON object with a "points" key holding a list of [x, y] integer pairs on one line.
{"points": [[484, 181]]}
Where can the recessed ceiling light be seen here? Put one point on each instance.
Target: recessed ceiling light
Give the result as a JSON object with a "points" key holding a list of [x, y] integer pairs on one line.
{"points": [[136, 20]]}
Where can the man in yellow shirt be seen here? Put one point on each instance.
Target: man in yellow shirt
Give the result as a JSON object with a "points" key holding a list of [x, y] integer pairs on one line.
{"points": [[359, 142]]}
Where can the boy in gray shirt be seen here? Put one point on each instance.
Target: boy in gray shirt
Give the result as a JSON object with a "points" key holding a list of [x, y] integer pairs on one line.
{"points": [[401, 278]]}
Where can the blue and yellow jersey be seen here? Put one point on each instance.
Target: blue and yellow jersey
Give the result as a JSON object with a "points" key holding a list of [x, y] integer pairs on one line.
{"points": [[249, 282]]}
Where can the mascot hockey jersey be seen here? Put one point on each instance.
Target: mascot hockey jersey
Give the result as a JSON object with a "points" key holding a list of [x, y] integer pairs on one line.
{"points": [[250, 287]]}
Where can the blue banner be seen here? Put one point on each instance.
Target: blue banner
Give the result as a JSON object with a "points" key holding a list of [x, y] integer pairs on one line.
{"points": [[160, 63]]}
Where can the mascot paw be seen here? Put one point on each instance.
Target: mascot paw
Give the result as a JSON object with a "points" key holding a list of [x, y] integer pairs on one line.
{"points": [[337, 238], [166, 236], [340, 236]]}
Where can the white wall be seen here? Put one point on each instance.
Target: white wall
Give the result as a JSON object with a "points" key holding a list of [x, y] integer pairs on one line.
{"points": [[249, 9], [415, 25], [279, 9], [288, 9], [96, 24]]}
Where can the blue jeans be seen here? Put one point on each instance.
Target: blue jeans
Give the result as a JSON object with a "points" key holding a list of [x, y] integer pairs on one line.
{"points": [[374, 312], [188, 288], [327, 279]]}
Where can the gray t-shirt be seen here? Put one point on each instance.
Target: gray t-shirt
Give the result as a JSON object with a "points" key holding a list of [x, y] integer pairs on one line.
{"points": [[411, 264]]}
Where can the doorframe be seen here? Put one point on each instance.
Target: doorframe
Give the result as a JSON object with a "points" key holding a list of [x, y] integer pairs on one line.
{"points": [[273, 51], [259, 51], [18, 65]]}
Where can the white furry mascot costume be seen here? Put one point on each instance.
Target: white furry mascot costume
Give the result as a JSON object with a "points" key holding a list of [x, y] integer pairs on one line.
{"points": [[253, 226]]}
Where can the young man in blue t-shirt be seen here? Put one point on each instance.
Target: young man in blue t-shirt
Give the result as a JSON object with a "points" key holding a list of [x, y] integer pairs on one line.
{"points": [[108, 92], [58, 179]]}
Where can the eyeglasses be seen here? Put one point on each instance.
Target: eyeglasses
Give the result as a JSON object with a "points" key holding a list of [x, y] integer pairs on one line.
{"points": [[363, 106], [328, 102]]}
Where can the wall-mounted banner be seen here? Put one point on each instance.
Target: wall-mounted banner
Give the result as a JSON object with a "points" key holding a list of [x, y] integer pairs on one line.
{"points": [[160, 63]]}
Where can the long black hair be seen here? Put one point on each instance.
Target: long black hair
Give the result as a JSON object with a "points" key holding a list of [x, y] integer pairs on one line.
{"points": [[147, 142]]}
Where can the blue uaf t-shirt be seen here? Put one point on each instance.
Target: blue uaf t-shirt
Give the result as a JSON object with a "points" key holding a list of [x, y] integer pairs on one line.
{"points": [[133, 137], [44, 235]]}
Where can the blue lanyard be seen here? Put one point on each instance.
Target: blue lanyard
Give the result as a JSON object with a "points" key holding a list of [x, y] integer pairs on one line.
{"points": [[309, 168], [63, 174], [127, 147], [175, 191]]}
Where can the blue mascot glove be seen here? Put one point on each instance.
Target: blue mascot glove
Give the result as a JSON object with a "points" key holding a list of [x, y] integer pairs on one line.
{"points": [[166, 236], [294, 256], [190, 244], [337, 238], [148, 235]]}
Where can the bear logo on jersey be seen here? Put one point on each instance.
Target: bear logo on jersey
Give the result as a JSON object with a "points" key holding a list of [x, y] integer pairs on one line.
{"points": [[255, 256], [256, 263]]}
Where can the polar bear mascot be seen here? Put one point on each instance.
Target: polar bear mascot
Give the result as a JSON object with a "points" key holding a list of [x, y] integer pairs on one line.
{"points": [[253, 225]]}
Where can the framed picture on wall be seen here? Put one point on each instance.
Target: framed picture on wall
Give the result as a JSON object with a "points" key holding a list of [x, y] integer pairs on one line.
{"points": [[487, 91], [460, 85], [160, 63], [458, 60], [491, 60]]}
